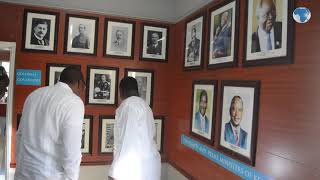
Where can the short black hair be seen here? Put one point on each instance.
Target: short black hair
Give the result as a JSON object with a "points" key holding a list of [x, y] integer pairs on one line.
{"points": [[71, 75], [129, 87]]}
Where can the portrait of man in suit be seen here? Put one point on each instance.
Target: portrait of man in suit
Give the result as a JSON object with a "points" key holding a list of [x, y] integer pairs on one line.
{"points": [[233, 133], [39, 32], [193, 46], [268, 35], [120, 41], [201, 120], [155, 45], [222, 36]]}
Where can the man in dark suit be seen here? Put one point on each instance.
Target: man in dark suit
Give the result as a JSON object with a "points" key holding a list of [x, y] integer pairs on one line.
{"points": [[81, 40], [201, 120], [269, 32], [39, 31], [155, 46], [233, 133], [222, 38], [193, 46]]}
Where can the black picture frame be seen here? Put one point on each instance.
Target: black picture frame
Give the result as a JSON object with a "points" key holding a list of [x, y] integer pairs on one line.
{"points": [[193, 22], [19, 115], [53, 68], [279, 54], [124, 25], [159, 135], [93, 97], [219, 38], [162, 31], [246, 93], [72, 44], [149, 75], [104, 119], [83, 149], [201, 88], [34, 18]]}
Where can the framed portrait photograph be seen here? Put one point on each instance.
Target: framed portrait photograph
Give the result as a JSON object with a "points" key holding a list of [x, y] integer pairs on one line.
{"points": [[239, 119], [224, 34], [155, 42], [159, 125], [270, 32], [106, 134], [54, 70], [40, 31], [18, 120], [119, 38], [102, 85], [86, 134], [203, 114], [81, 35], [145, 83], [194, 41]]}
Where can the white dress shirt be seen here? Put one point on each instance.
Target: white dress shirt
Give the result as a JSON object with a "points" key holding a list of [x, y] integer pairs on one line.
{"points": [[263, 39], [135, 152], [49, 137]]}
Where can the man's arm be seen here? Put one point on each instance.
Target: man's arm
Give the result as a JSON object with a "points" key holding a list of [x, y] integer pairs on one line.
{"points": [[71, 137]]}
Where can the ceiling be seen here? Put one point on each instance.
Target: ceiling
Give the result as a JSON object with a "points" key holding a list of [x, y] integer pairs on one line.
{"points": [[161, 10]]}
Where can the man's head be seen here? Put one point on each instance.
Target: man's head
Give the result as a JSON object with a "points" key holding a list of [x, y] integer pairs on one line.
{"points": [[266, 14], [224, 18], [193, 33], [236, 110], [203, 102], [154, 38], [82, 28], [73, 77], [119, 35], [40, 28], [103, 78], [128, 87]]}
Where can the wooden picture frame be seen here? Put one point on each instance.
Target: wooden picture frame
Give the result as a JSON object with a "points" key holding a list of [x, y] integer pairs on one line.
{"points": [[102, 85], [269, 44], [40, 31], [239, 119], [194, 42], [119, 38], [224, 34], [106, 134], [203, 114], [86, 140], [154, 42], [81, 34], [145, 80]]}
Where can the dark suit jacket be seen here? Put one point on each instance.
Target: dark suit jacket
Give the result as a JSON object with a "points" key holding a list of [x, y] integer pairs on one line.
{"points": [[255, 46], [36, 41], [230, 137], [194, 48], [154, 50]]}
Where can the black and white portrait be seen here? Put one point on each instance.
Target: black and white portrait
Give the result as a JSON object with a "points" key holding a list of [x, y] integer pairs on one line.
{"points": [[106, 134], [40, 31], [101, 85], [86, 134], [193, 45], [53, 72], [119, 38], [145, 82], [158, 123], [155, 43], [223, 33], [239, 116], [81, 34]]}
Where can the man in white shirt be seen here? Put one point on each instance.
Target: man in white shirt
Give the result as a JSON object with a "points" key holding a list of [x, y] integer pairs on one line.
{"points": [[135, 152], [49, 137]]}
